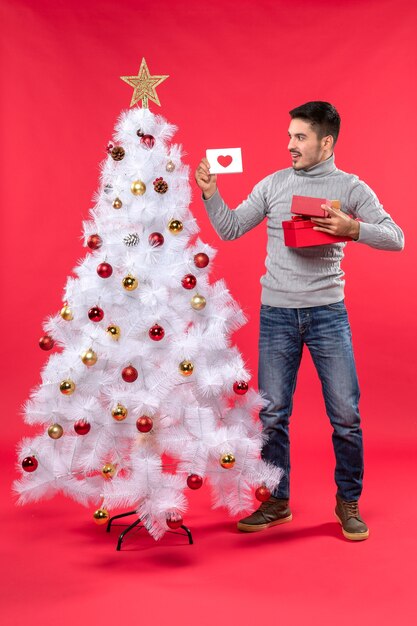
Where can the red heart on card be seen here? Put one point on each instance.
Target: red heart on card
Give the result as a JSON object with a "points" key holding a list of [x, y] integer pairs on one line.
{"points": [[224, 160]]}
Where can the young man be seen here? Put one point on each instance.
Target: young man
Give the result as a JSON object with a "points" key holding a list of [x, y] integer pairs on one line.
{"points": [[302, 302]]}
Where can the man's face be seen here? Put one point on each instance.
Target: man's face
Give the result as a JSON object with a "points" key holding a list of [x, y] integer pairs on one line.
{"points": [[305, 147]]}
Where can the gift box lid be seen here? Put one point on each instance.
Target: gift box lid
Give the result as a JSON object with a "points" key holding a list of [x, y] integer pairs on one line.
{"points": [[307, 205]]}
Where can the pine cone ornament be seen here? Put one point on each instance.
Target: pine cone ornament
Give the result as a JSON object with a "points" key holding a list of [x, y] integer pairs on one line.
{"points": [[131, 240], [160, 185], [117, 153]]}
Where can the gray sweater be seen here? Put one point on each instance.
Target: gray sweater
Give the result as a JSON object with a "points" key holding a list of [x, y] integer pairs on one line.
{"points": [[311, 276]]}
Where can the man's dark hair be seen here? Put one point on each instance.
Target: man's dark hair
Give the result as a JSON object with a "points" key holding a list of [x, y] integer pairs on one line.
{"points": [[322, 116]]}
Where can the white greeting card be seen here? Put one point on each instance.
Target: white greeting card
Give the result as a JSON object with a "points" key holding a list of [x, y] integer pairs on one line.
{"points": [[225, 160]]}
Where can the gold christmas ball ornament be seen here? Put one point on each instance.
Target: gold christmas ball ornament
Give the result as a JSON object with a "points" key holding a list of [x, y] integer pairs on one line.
{"points": [[130, 283], [89, 357], [55, 431], [108, 471], [117, 203], [66, 313], [175, 227], [113, 331], [198, 302], [119, 413], [67, 387], [101, 516], [138, 188], [227, 460], [186, 368], [170, 166]]}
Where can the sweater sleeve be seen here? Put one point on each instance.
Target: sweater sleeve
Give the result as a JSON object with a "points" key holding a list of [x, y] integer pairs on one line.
{"points": [[377, 229], [231, 224]]}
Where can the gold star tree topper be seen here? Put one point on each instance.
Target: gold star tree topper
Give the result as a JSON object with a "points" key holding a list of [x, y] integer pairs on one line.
{"points": [[144, 86]]}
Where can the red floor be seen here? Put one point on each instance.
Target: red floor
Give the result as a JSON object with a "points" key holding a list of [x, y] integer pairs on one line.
{"points": [[59, 568]]}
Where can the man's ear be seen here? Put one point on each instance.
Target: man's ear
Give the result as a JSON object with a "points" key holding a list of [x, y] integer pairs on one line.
{"points": [[328, 142]]}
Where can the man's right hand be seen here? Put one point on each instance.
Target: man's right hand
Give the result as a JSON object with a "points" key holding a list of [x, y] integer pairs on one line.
{"points": [[206, 181]]}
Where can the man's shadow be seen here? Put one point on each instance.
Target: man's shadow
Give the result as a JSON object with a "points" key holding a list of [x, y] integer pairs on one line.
{"points": [[276, 535]]}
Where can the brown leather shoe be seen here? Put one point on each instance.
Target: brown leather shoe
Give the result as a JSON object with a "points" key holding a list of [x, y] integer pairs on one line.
{"points": [[353, 526], [271, 513]]}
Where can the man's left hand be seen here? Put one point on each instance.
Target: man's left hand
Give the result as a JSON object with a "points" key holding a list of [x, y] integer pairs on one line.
{"points": [[337, 223]]}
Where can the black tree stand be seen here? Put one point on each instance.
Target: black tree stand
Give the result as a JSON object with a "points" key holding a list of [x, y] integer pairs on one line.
{"points": [[136, 523]]}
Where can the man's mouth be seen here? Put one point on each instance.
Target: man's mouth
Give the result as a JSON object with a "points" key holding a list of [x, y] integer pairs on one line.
{"points": [[295, 155]]}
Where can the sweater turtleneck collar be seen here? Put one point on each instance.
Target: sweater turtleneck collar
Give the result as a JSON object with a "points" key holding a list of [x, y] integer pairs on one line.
{"points": [[320, 169]]}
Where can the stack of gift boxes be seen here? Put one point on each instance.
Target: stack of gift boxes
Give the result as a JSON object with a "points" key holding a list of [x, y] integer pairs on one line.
{"points": [[298, 231]]}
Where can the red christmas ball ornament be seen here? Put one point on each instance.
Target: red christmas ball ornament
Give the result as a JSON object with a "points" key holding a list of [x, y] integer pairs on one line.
{"points": [[189, 281], [96, 314], [30, 464], [156, 239], [109, 147], [82, 427], [46, 342], [129, 374], [262, 494], [144, 424], [148, 141], [194, 481], [240, 387], [104, 270], [156, 332], [174, 521], [94, 242], [201, 260]]}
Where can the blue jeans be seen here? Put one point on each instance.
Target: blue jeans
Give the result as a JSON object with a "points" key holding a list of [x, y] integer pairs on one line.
{"points": [[326, 332]]}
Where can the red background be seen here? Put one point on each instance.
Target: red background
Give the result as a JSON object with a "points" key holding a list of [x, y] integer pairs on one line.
{"points": [[235, 68]]}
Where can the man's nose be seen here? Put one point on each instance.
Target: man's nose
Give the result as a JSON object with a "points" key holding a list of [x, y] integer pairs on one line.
{"points": [[291, 143]]}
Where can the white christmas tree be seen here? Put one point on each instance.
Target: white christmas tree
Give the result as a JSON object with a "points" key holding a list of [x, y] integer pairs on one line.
{"points": [[147, 395]]}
